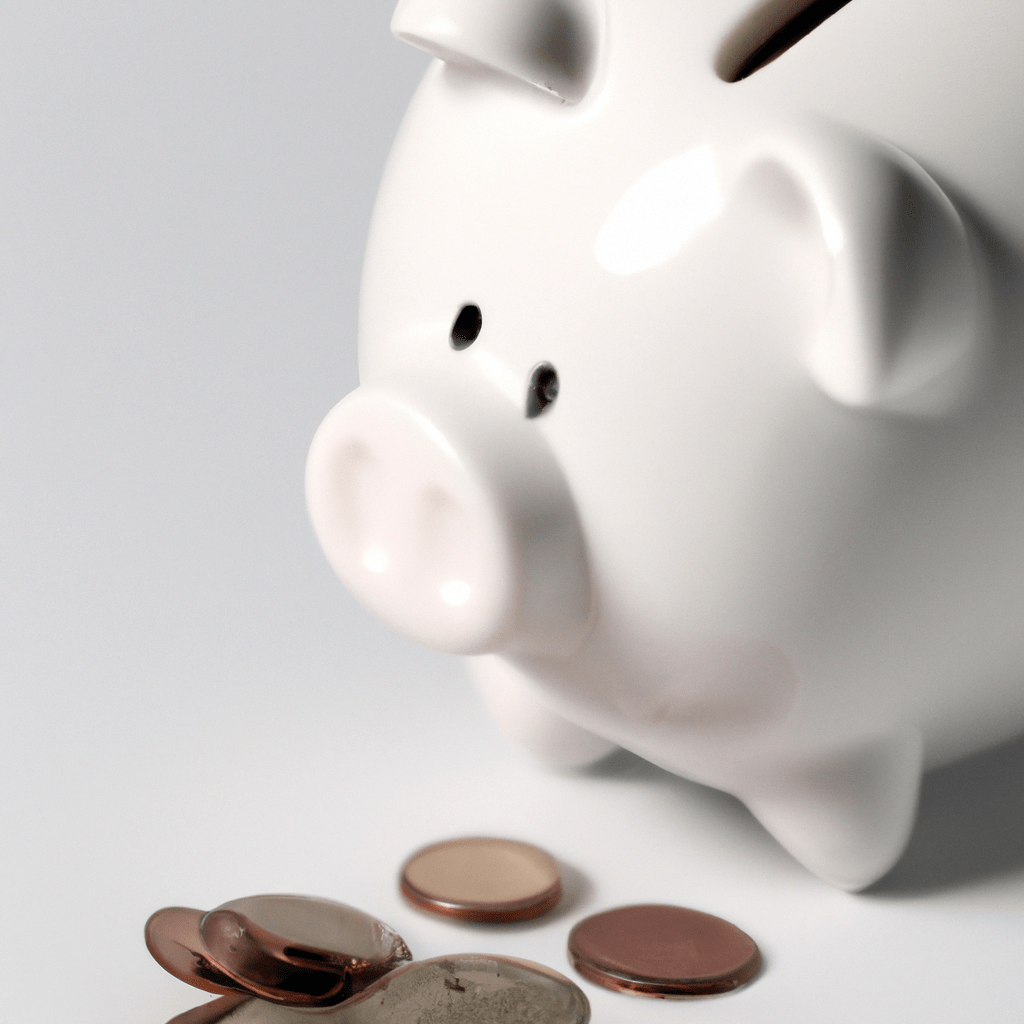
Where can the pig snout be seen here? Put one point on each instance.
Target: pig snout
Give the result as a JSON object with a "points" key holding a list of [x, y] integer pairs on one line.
{"points": [[442, 508]]}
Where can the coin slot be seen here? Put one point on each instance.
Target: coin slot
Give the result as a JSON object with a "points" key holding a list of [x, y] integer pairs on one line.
{"points": [[768, 31]]}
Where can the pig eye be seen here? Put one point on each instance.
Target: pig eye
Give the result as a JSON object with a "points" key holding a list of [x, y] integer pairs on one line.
{"points": [[543, 389], [466, 328]]}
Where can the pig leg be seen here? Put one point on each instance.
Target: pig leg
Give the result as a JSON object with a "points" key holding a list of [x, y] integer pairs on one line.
{"points": [[846, 815], [511, 697]]}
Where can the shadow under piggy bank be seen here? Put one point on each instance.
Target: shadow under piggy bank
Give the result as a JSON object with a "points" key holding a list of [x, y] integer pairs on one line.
{"points": [[970, 824], [969, 827]]}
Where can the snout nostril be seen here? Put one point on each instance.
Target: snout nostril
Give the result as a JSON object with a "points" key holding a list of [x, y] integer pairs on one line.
{"points": [[467, 327], [451, 519], [543, 389]]}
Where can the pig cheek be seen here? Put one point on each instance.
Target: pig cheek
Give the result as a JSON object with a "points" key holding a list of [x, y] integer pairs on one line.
{"points": [[718, 682]]}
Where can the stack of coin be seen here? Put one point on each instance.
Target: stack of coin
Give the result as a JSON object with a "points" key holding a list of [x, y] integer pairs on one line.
{"points": [[277, 959], [289, 950]]}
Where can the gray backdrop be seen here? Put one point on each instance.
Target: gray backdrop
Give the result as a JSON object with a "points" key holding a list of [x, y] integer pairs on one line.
{"points": [[192, 707]]}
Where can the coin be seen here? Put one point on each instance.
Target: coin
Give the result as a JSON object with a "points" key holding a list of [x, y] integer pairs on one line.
{"points": [[482, 879], [300, 950], [291, 950], [659, 950], [213, 1012], [466, 988], [172, 937]]}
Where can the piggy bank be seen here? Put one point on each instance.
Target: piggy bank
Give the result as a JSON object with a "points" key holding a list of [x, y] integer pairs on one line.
{"points": [[692, 401]]}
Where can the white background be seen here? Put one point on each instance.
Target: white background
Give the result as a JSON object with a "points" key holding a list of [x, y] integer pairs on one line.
{"points": [[192, 708]]}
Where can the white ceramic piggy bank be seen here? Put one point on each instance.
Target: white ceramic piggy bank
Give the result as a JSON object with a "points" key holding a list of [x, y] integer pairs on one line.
{"points": [[692, 403]]}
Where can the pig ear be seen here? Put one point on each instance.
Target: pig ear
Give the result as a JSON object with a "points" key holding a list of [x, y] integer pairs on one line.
{"points": [[551, 44], [901, 321]]}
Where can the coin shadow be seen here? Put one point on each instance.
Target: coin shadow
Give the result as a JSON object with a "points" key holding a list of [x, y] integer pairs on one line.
{"points": [[620, 764], [577, 892], [969, 826]]}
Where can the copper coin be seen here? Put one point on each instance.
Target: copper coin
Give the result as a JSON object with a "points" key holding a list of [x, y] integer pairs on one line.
{"points": [[300, 950], [172, 937], [482, 879], [658, 950], [467, 988]]}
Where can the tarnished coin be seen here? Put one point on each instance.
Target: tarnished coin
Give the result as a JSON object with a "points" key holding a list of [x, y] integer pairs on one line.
{"points": [[467, 988], [172, 937], [214, 1011], [300, 950], [482, 879], [658, 950]]}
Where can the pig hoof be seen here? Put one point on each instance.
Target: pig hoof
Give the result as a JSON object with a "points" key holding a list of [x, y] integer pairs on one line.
{"points": [[509, 696], [845, 816]]}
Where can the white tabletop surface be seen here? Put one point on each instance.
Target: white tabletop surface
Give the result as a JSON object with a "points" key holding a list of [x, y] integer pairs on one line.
{"points": [[192, 707]]}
